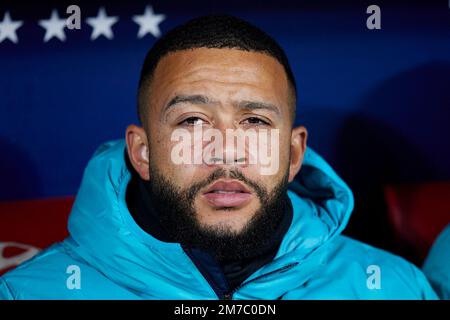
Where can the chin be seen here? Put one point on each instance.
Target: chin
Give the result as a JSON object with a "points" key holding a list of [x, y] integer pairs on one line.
{"points": [[233, 220]]}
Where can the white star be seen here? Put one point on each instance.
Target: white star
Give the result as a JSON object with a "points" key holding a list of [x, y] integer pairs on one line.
{"points": [[54, 27], [149, 22], [102, 24], [8, 28]]}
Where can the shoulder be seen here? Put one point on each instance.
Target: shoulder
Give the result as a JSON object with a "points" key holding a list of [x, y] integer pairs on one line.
{"points": [[34, 278], [437, 267], [378, 273], [56, 273], [349, 248], [355, 270]]}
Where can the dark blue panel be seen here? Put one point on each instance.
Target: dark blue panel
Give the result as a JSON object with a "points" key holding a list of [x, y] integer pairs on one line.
{"points": [[376, 103]]}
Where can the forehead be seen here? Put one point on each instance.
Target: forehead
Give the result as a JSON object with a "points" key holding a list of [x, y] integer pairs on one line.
{"points": [[222, 73]]}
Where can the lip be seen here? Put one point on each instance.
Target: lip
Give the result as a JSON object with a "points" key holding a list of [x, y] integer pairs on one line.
{"points": [[228, 194]]}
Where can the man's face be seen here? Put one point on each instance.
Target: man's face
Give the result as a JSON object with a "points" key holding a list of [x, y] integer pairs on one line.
{"points": [[217, 88], [221, 89]]}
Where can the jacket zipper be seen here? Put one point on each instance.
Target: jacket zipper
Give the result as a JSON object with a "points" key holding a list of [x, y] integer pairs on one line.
{"points": [[229, 295]]}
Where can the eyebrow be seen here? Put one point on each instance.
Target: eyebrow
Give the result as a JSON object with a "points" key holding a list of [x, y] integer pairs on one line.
{"points": [[204, 100], [192, 99], [255, 105]]}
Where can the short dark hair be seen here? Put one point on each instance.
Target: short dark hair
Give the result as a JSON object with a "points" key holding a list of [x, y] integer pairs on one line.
{"points": [[212, 31]]}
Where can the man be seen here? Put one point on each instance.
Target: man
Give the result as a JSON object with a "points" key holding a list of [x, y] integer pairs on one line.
{"points": [[436, 266], [157, 219]]}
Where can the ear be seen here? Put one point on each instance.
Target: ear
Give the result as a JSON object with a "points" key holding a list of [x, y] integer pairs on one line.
{"points": [[299, 136], [138, 150]]}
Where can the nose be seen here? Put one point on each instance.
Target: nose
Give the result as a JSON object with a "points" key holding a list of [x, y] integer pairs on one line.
{"points": [[230, 147], [224, 152]]}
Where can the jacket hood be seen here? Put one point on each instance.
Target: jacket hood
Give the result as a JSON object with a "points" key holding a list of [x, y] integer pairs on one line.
{"points": [[103, 233]]}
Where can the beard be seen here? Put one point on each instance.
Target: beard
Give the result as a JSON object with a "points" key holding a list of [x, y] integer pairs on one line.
{"points": [[177, 215]]}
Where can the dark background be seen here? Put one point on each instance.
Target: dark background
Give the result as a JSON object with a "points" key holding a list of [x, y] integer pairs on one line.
{"points": [[376, 102]]}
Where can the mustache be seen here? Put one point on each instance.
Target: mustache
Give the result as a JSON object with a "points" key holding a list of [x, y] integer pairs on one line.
{"points": [[222, 173]]}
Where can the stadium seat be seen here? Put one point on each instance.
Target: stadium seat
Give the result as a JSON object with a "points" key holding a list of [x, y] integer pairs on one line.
{"points": [[418, 213], [28, 226]]}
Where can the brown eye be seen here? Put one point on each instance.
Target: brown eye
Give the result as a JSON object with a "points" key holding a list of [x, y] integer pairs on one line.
{"points": [[256, 121], [192, 121]]}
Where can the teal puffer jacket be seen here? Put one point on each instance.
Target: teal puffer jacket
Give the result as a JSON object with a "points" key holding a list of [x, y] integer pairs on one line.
{"points": [[113, 258]]}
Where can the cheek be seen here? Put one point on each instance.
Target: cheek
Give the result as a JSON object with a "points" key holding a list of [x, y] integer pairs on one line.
{"points": [[274, 160], [285, 152], [182, 175], [186, 175]]}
